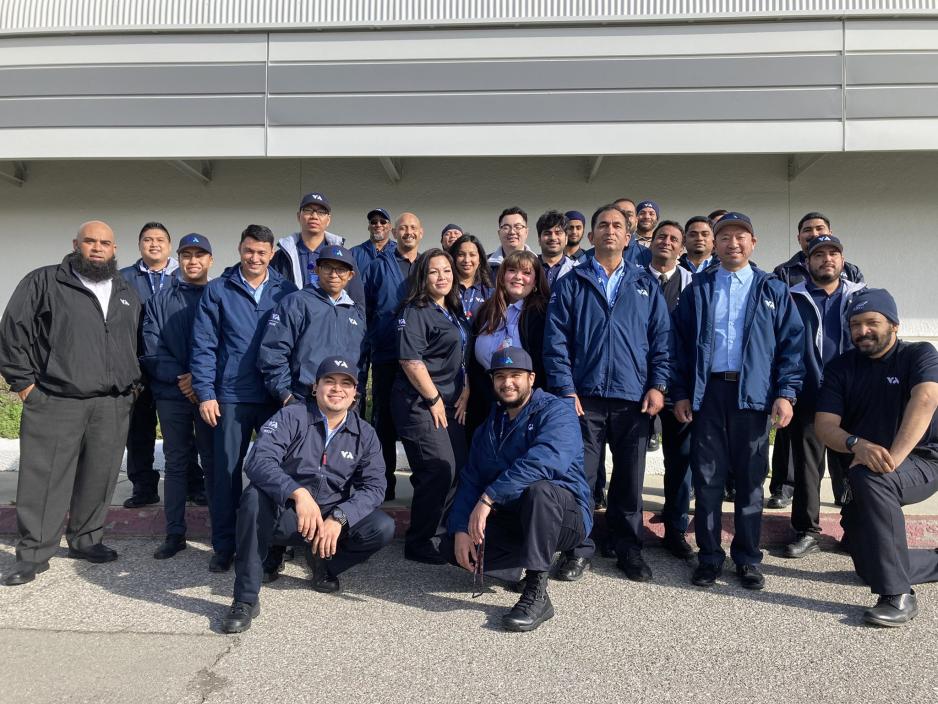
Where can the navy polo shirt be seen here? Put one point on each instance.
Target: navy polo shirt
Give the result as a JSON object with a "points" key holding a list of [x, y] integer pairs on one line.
{"points": [[426, 334], [870, 395]]}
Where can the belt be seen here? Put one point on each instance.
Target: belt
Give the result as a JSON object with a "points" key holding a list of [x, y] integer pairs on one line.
{"points": [[725, 376]]}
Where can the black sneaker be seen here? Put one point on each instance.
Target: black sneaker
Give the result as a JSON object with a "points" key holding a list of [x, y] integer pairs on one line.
{"points": [[750, 576], [635, 567], [137, 500], [706, 575], [676, 544], [220, 562], [323, 582], [239, 616], [174, 543], [533, 608]]}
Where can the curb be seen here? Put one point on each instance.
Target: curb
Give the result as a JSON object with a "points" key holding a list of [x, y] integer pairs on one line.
{"points": [[921, 531]]}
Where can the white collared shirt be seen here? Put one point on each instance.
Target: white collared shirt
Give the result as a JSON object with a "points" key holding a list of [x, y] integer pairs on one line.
{"points": [[100, 289]]}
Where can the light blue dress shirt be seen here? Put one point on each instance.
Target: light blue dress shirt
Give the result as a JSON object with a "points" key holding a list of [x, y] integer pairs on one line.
{"points": [[256, 292], [729, 318], [610, 284], [506, 336]]}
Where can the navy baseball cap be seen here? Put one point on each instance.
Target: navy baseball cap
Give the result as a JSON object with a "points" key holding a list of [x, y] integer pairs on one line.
{"points": [[194, 239], [511, 358], [451, 226], [874, 300], [379, 211], [336, 253], [575, 215], [337, 365], [732, 218], [648, 204], [824, 241], [315, 198]]}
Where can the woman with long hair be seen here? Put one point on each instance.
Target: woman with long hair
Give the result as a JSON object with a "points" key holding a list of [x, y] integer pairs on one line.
{"points": [[429, 398], [513, 316], [472, 274]]}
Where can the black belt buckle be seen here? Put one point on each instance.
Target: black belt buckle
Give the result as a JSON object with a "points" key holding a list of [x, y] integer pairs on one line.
{"points": [[726, 376]]}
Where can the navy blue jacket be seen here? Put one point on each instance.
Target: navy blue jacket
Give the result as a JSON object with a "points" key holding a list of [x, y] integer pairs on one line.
{"points": [[385, 291], [365, 253], [773, 343], [304, 329], [291, 452], [543, 442], [593, 350], [167, 337], [226, 335], [139, 280]]}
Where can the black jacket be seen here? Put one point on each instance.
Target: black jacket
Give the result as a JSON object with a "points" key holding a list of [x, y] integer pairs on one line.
{"points": [[53, 335], [794, 271]]}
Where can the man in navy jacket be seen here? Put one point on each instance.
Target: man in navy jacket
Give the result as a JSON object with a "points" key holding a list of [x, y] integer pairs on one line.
{"points": [[738, 345], [522, 495], [167, 341], [226, 335], [316, 481], [606, 347]]}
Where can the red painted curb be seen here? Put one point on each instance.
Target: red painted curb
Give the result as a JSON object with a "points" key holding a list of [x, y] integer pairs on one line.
{"points": [[922, 531]]}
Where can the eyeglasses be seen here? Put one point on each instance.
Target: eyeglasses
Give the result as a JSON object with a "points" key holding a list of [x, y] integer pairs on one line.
{"points": [[321, 212], [329, 269], [516, 228], [378, 221]]}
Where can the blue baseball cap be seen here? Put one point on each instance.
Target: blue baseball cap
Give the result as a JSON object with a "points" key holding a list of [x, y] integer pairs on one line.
{"points": [[194, 239], [315, 198], [379, 211], [824, 241], [511, 358], [648, 204], [451, 226], [575, 215], [337, 365], [733, 218], [336, 253], [874, 300]]}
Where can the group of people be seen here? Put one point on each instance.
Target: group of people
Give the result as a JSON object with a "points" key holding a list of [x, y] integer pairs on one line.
{"points": [[504, 375]]}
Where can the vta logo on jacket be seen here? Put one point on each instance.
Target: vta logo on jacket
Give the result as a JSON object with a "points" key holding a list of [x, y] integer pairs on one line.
{"points": [[769, 303], [892, 379], [274, 320], [401, 323], [641, 290], [354, 322], [269, 427], [125, 301], [347, 455]]}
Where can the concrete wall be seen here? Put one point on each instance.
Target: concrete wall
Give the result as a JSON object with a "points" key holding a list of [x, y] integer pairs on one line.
{"points": [[883, 205]]}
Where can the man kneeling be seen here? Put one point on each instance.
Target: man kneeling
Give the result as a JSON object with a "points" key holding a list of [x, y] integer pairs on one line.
{"points": [[522, 495], [317, 479]]}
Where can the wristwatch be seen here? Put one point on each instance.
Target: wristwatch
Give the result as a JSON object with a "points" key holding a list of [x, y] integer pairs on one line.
{"points": [[432, 401], [791, 399], [339, 516], [850, 442], [662, 388]]}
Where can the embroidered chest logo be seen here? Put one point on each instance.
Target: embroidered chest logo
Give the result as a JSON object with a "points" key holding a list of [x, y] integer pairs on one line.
{"points": [[401, 323], [269, 427], [892, 380], [125, 301], [641, 291], [274, 320], [347, 455], [769, 304], [353, 322]]}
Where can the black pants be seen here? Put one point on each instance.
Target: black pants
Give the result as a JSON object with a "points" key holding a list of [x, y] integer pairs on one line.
{"points": [[184, 432], [727, 440], [625, 427], [262, 524], [526, 533], [675, 445], [383, 375], [872, 517], [435, 455], [70, 456], [141, 439], [808, 453], [782, 482]]}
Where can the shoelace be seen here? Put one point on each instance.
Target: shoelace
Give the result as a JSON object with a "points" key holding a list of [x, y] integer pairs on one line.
{"points": [[478, 574]]}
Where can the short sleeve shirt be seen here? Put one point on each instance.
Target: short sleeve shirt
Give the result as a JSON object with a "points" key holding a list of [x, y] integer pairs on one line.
{"points": [[870, 395], [428, 335]]}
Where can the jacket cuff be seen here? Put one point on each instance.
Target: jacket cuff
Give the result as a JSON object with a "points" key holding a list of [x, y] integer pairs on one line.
{"points": [[205, 394], [17, 386], [291, 486]]}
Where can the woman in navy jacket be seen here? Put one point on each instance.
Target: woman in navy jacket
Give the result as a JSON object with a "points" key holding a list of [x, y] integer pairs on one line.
{"points": [[474, 281]]}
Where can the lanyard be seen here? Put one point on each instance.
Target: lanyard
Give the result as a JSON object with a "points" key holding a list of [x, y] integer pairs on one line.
{"points": [[153, 288], [471, 291], [463, 336]]}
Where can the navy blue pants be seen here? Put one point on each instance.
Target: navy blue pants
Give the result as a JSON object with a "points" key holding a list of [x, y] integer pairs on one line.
{"points": [[184, 433], [383, 375], [675, 445], [262, 523], [231, 441], [727, 440], [872, 517], [626, 429]]}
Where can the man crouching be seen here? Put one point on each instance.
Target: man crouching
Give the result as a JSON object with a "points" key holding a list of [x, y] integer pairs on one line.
{"points": [[317, 479], [522, 495]]}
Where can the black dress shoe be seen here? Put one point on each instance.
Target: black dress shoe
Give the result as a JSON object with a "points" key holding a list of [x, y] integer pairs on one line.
{"points": [[426, 556], [706, 575], [197, 497], [572, 568], [99, 552], [804, 545], [750, 576], [24, 572], [239, 616], [635, 567], [220, 562], [174, 543], [777, 501], [599, 500], [323, 582], [533, 608], [654, 444], [676, 544], [142, 499], [892, 610]]}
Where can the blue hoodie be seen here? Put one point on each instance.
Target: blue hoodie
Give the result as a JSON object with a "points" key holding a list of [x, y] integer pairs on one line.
{"points": [[543, 442], [226, 335], [385, 291], [167, 336], [773, 343], [593, 350], [305, 328]]}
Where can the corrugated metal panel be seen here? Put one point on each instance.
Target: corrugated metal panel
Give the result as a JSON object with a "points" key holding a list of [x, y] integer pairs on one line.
{"points": [[22, 16]]}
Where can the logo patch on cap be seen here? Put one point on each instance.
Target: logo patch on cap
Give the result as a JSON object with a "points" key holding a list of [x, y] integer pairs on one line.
{"points": [[340, 363]]}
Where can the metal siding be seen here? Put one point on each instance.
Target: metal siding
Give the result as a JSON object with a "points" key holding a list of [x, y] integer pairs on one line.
{"points": [[892, 102], [892, 69]]}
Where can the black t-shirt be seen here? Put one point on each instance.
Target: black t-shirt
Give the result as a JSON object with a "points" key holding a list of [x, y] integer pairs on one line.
{"points": [[870, 395], [427, 334]]}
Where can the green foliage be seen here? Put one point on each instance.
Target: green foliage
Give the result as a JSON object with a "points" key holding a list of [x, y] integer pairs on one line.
{"points": [[11, 408]]}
